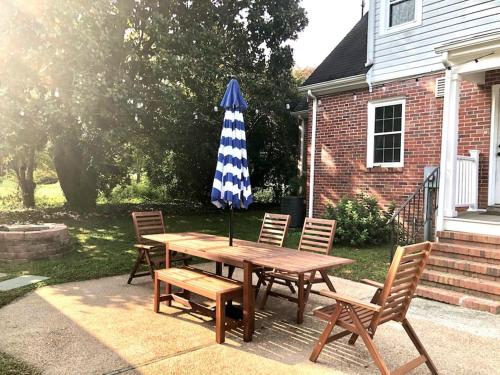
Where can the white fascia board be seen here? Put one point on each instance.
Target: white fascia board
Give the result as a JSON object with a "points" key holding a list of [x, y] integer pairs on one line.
{"points": [[336, 85], [490, 38]]}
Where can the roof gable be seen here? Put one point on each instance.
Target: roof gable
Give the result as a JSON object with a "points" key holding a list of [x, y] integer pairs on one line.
{"points": [[347, 59]]}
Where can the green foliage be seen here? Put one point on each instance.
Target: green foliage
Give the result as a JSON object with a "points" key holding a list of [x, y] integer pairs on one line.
{"points": [[265, 196], [360, 221], [122, 86], [142, 192]]}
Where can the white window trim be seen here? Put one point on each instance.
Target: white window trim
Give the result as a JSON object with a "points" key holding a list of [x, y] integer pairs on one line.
{"points": [[385, 18], [370, 146]]}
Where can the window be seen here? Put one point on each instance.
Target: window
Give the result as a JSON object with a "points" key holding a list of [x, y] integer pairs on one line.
{"points": [[398, 15], [401, 11], [385, 133]]}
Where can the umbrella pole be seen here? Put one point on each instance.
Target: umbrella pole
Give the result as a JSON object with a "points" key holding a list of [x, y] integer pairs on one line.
{"points": [[231, 225]]}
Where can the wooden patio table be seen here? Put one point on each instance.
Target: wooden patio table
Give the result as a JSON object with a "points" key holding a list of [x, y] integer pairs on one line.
{"points": [[246, 255]]}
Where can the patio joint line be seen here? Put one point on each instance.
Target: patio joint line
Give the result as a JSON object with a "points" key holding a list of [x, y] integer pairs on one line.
{"points": [[156, 360]]}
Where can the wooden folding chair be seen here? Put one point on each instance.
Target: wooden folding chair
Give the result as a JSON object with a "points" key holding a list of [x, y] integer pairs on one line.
{"points": [[272, 232], [317, 236], [150, 253], [389, 303]]}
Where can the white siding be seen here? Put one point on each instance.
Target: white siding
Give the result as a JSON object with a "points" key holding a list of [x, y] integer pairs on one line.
{"points": [[411, 52]]}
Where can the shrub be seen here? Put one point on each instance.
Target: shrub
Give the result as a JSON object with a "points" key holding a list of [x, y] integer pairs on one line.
{"points": [[360, 221], [265, 195]]}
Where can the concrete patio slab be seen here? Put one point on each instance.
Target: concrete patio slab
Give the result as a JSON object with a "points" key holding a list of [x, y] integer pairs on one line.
{"points": [[20, 281], [108, 327]]}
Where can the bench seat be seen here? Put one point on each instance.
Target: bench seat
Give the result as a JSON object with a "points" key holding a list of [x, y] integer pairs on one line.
{"points": [[206, 284]]}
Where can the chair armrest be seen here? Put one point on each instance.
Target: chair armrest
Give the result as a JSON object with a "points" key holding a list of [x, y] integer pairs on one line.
{"points": [[350, 300], [376, 284]]}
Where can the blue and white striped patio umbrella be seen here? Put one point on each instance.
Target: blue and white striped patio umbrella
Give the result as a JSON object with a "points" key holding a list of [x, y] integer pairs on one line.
{"points": [[231, 185]]}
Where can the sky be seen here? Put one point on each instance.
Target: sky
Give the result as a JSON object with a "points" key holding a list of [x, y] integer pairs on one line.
{"points": [[329, 22]]}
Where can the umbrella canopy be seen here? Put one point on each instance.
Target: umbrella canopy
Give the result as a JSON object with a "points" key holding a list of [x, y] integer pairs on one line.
{"points": [[232, 180]]}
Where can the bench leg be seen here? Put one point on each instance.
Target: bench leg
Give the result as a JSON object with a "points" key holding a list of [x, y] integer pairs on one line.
{"points": [[220, 319], [156, 303]]}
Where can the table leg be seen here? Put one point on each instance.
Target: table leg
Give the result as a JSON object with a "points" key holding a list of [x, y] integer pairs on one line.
{"points": [[301, 302], [248, 302], [168, 264]]}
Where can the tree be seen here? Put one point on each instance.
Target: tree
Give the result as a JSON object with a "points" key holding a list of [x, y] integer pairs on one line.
{"points": [[23, 99]]}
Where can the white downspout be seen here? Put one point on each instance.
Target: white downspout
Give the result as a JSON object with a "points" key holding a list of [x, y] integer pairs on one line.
{"points": [[313, 152], [370, 42]]}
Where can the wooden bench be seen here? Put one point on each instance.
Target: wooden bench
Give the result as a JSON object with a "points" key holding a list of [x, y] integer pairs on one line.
{"points": [[206, 284]]}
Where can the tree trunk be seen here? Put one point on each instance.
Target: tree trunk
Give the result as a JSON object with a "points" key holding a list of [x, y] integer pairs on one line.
{"points": [[77, 177], [23, 165]]}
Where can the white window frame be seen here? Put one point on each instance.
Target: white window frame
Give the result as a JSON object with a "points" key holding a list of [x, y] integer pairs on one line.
{"points": [[385, 14], [370, 148]]}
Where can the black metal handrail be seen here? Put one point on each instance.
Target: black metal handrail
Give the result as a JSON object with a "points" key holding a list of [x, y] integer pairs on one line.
{"points": [[414, 220]]}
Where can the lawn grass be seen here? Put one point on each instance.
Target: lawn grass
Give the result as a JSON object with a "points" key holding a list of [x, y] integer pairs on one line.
{"points": [[12, 366], [48, 195], [103, 247]]}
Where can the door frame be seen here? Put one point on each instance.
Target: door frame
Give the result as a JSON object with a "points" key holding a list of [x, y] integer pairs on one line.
{"points": [[494, 133]]}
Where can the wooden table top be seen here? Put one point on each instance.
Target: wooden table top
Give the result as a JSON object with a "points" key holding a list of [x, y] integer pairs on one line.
{"points": [[211, 247]]}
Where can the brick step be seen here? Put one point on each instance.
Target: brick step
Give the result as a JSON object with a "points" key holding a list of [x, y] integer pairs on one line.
{"points": [[467, 252], [466, 267], [471, 285], [460, 299], [465, 239]]}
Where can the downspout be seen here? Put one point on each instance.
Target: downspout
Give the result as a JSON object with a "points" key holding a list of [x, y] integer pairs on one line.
{"points": [[313, 152], [370, 42]]}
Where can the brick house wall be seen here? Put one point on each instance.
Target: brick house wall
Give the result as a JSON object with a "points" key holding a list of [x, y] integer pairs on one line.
{"points": [[341, 139]]}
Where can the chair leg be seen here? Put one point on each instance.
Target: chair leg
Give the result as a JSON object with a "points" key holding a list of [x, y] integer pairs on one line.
{"points": [[150, 264], [290, 286], [220, 319], [230, 271], [323, 339], [327, 280], [418, 344], [266, 294], [370, 345], [353, 339], [136, 266], [156, 303]]}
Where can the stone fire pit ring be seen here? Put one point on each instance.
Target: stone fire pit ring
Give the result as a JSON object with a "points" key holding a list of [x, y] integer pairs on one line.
{"points": [[33, 241]]}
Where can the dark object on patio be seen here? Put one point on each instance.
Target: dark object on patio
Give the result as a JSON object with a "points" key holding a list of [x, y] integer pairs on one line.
{"points": [[150, 253], [273, 232], [217, 288], [296, 208], [390, 302], [317, 236]]}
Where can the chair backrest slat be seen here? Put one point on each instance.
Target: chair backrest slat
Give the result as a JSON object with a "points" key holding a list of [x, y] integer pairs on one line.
{"points": [[149, 222], [317, 235], [401, 282], [274, 228]]}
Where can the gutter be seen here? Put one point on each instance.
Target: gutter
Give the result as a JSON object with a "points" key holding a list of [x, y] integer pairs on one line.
{"points": [[313, 152], [336, 85]]}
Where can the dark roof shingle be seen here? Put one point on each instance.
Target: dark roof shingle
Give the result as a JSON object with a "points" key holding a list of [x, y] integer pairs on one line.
{"points": [[347, 59]]}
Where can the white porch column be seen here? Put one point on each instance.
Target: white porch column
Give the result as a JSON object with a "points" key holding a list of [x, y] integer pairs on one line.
{"points": [[447, 183]]}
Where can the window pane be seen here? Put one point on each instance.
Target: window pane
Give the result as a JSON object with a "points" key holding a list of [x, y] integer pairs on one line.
{"points": [[379, 126], [401, 11], [389, 141], [379, 113], [397, 155], [397, 140], [388, 155], [397, 125], [379, 156], [398, 110], [388, 125], [389, 111], [379, 142]]}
